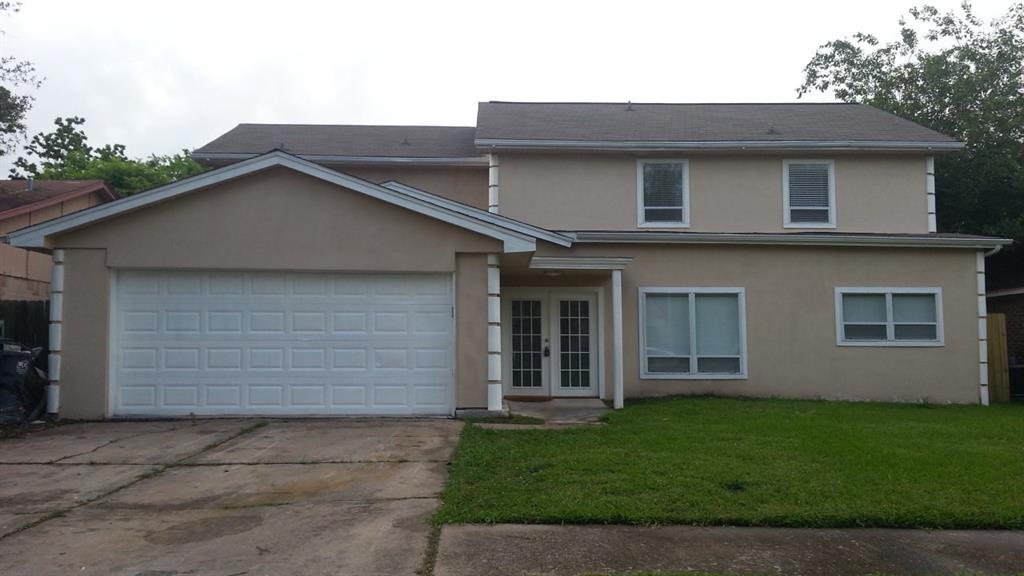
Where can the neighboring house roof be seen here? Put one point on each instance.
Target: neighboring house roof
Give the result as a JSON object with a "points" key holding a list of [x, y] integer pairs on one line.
{"points": [[21, 196], [516, 236], [625, 126], [343, 144]]}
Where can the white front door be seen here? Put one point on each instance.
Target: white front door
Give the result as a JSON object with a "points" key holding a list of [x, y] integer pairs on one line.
{"points": [[550, 342], [281, 343]]}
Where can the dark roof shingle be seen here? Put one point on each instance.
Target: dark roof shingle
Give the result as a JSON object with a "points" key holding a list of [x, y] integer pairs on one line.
{"points": [[625, 122], [16, 193], [346, 140]]}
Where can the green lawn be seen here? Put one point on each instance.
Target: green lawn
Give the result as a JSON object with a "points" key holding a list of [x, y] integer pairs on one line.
{"points": [[751, 462]]}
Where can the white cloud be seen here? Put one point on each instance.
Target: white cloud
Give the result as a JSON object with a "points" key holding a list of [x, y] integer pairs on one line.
{"points": [[161, 76]]}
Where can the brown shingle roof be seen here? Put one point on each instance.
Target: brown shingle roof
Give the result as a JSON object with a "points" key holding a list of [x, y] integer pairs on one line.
{"points": [[17, 193], [346, 140], [624, 122]]}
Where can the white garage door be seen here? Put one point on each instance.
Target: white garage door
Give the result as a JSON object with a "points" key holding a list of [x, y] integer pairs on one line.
{"points": [[282, 343]]}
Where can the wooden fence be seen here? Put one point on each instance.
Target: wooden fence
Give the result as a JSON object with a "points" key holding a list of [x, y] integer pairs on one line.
{"points": [[998, 362], [26, 322]]}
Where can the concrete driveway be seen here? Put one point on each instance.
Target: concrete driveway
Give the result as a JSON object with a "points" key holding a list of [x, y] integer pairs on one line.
{"points": [[223, 497]]}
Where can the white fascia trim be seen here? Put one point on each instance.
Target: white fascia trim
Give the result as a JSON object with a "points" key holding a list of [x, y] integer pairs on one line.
{"points": [[355, 160], [578, 263], [491, 217], [797, 239], [35, 236], [665, 146]]}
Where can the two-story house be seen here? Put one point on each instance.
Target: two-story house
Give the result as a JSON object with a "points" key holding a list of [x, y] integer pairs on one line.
{"points": [[568, 249]]}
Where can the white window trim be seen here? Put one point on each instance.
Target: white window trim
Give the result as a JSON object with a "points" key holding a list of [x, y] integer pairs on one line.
{"points": [[890, 341], [741, 294], [640, 212], [786, 217]]}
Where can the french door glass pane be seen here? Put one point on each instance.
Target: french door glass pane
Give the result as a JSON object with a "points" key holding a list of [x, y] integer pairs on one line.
{"points": [[527, 350], [718, 325], [574, 340]]}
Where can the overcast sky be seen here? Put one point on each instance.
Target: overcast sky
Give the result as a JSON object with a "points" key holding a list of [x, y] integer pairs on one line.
{"points": [[161, 76]]}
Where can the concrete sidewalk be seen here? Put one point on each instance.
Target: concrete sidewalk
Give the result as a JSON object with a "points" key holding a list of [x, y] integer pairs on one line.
{"points": [[517, 550]]}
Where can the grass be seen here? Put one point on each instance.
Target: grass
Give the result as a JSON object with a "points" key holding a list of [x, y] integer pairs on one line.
{"points": [[722, 461]]}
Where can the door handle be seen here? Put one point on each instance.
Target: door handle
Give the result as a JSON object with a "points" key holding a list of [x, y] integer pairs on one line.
{"points": [[547, 349]]}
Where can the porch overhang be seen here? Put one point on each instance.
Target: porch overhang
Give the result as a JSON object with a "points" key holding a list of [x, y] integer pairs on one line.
{"points": [[579, 263]]}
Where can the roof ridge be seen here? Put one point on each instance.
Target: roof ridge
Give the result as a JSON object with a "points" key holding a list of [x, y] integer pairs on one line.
{"points": [[577, 103], [356, 125]]}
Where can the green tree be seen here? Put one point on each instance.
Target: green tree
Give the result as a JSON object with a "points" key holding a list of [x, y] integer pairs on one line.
{"points": [[959, 76], [65, 154], [14, 105]]}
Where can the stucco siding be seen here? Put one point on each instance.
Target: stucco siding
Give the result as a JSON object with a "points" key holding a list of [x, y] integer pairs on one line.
{"points": [[471, 331], [279, 220], [463, 184], [276, 220], [727, 193], [790, 317], [85, 353]]}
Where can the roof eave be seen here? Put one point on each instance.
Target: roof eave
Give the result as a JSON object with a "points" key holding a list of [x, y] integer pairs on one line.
{"points": [[801, 239], [489, 144], [83, 190], [38, 236], [222, 158]]}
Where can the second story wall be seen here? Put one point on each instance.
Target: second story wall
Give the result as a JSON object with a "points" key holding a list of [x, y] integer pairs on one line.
{"points": [[461, 183], [727, 193]]}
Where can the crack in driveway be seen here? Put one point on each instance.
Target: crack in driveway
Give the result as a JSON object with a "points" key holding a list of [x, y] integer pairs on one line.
{"points": [[152, 473]]}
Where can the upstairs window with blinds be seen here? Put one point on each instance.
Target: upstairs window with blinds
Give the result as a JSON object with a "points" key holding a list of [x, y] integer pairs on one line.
{"points": [[810, 193], [663, 193]]}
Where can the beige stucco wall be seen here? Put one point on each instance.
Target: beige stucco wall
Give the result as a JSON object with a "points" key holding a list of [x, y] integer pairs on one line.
{"points": [[471, 331], [790, 304], [738, 193], [84, 353], [277, 220], [466, 184]]}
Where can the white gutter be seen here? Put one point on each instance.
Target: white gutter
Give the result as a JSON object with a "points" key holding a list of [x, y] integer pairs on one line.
{"points": [[354, 160], [799, 239], [668, 145]]}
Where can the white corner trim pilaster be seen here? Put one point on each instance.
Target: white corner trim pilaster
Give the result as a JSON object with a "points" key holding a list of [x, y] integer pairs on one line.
{"points": [[617, 374], [56, 332], [492, 183], [494, 387], [982, 330], [930, 191]]}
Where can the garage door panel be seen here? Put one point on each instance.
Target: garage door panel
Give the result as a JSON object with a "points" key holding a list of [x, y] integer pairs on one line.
{"points": [[282, 343]]}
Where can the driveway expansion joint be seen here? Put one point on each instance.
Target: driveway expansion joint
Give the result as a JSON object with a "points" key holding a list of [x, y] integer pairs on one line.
{"points": [[155, 471]]}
